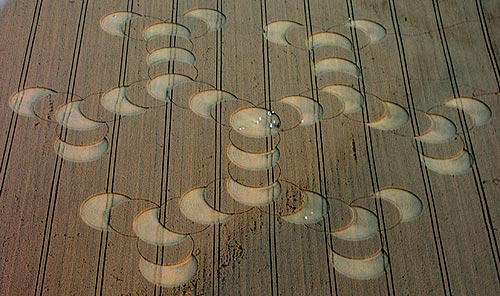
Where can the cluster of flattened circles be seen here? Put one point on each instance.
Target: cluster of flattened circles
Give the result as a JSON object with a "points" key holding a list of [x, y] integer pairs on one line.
{"points": [[443, 130], [67, 114], [115, 24], [96, 212], [160, 86], [363, 224], [146, 225], [277, 32], [70, 114], [440, 130], [252, 123], [352, 100], [394, 117]]}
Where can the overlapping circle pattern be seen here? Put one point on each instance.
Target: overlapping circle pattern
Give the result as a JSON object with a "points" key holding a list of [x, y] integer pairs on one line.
{"points": [[252, 123]]}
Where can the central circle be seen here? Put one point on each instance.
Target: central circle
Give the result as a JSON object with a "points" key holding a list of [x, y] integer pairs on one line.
{"points": [[255, 122]]}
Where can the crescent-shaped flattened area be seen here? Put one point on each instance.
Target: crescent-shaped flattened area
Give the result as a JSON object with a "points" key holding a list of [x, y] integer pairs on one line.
{"points": [[373, 30], [194, 207], [161, 86], [166, 30], [95, 210], [169, 54], [203, 102], [350, 97], [253, 196], [336, 65], [455, 165], [407, 203], [214, 19], [310, 111], [253, 161], [364, 226], [393, 118], [322, 39], [276, 31], [147, 227], [314, 208], [442, 130], [81, 153], [169, 276], [368, 268], [477, 110], [116, 101], [114, 23], [70, 116], [24, 102]]}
